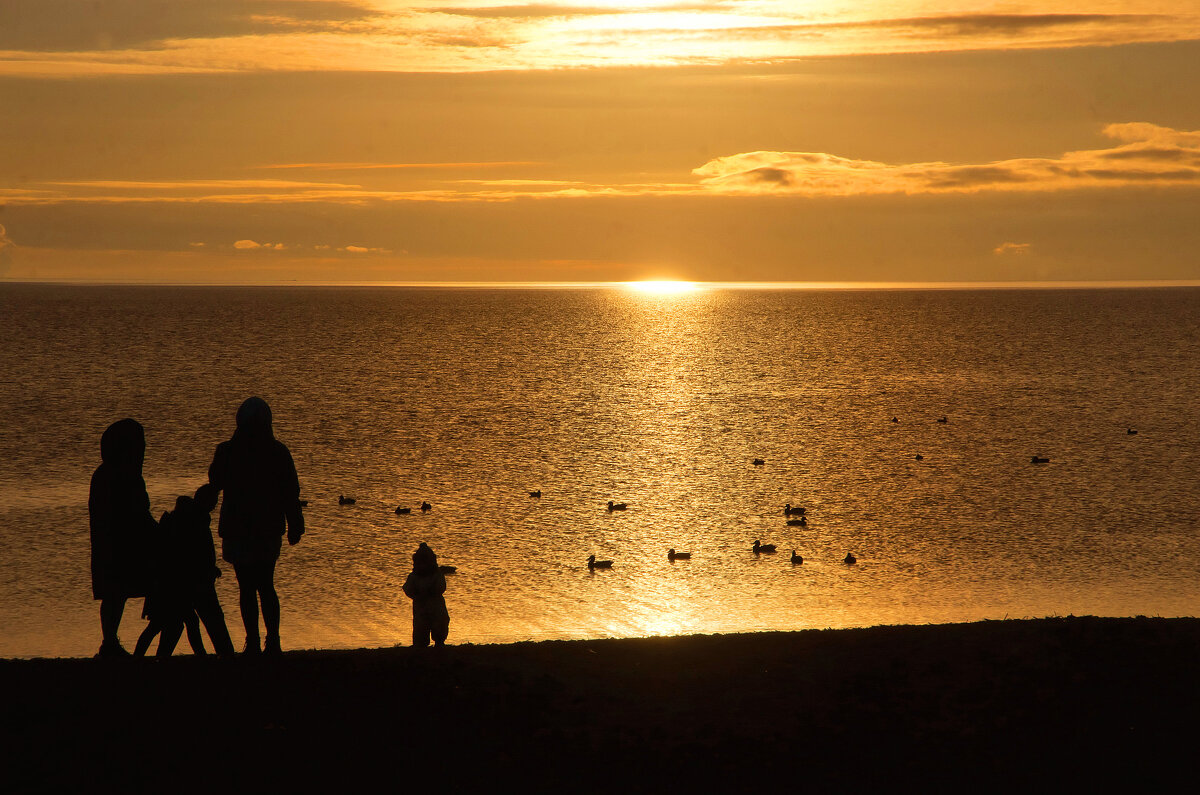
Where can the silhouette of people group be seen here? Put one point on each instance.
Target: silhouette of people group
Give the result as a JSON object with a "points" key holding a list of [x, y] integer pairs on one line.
{"points": [[172, 562]]}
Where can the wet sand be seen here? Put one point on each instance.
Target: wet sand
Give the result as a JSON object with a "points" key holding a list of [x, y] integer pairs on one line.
{"points": [[993, 706]]}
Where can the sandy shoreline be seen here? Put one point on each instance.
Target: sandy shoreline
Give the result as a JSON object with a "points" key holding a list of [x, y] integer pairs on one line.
{"points": [[995, 705]]}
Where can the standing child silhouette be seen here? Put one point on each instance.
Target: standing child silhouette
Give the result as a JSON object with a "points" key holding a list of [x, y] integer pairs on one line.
{"points": [[425, 586]]}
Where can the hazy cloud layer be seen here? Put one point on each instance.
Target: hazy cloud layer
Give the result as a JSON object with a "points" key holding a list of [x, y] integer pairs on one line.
{"points": [[88, 37], [76, 25], [1150, 154]]}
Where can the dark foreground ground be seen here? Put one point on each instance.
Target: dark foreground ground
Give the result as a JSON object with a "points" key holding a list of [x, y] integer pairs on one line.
{"points": [[1012, 706]]}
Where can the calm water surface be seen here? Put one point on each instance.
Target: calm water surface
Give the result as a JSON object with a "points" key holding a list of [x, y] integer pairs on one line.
{"points": [[472, 398]]}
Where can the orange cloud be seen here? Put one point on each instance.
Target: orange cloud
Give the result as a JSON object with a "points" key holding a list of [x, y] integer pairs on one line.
{"points": [[1150, 155], [86, 38], [1015, 249]]}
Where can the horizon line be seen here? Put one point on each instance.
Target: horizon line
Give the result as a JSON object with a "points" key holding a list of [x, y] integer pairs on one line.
{"points": [[1081, 284]]}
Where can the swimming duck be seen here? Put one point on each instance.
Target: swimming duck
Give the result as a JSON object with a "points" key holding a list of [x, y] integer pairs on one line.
{"points": [[758, 548], [672, 555], [403, 511], [788, 510], [943, 419], [426, 507], [796, 558], [537, 493], [1036, 460], [598, 564], [894, 419], [616, 506], [920, 457], [346, 500], [849, 560], [1131, 431], [758, 462]]}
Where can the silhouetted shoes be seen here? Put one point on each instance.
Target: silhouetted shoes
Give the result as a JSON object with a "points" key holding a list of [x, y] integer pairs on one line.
{"points": [[112, 651], [251, 649], [272, 648]]}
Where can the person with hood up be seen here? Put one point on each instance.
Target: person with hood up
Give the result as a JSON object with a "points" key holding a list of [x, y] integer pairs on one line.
{"points": [[425, 586], [121, 528], [262, 499]]}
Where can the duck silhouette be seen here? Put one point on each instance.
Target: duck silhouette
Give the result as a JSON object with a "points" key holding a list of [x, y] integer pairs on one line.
{"points": [[1131, 431], [537, 493], [1036, 460], [758, 548], [758, 462], [920, 457], [796, 558], [849, 560], [592, 563], [402, 511], [943, 420], [346, 500], [616, 506], [788, 510], [673, 556], [426, 507]]}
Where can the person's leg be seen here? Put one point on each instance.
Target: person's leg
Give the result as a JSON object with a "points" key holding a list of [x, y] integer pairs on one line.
{"points": [[270, 607], [420, 627], [440, 632], [143, 641], [192, 624], [169, 637], [208, 607], [248, 600], [111, 611]]}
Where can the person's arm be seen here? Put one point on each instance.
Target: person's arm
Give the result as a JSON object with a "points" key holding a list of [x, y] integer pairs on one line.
{"points": [[291, 502]]}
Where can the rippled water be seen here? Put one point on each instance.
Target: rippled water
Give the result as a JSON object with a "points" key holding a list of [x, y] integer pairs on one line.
{"points": [[471, 398]]}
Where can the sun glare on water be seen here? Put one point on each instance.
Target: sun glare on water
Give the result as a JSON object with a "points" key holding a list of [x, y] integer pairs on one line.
{"points": [[663, 287]]}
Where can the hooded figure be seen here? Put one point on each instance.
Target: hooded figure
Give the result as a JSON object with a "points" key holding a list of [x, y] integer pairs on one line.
{"points": [[425, 586], [121, 526], [262, 500]]}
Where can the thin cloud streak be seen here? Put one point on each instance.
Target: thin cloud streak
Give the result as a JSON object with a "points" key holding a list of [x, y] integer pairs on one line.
{"points": [[370, 166], [201, 184]]}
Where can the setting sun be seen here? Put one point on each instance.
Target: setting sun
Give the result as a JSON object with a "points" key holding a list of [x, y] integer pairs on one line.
{"points": [[663, 286]]}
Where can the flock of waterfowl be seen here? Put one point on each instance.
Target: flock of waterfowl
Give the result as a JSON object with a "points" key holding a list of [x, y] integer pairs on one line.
{"points": [[593, 564], [798, 512]]}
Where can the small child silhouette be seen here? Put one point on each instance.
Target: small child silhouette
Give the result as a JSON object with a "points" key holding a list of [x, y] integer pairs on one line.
{"points": [[185, 571], [425, 586]]}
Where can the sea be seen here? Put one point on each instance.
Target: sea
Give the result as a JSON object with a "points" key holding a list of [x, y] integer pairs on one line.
{"points": [[904, 421]]}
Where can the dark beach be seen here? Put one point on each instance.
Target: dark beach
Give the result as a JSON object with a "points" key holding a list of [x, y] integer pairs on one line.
{"points": [[996, 705]]}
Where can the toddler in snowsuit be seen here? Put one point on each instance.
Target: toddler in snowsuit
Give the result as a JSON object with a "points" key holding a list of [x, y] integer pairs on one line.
{"points": [[425, 586]]}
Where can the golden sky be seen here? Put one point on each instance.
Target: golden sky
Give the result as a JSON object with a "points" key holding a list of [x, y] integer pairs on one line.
{"points": [[734, 140]]}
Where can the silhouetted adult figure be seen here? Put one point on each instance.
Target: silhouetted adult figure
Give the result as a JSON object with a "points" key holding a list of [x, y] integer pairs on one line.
{"points": [[121, 528], [262, 497]]}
